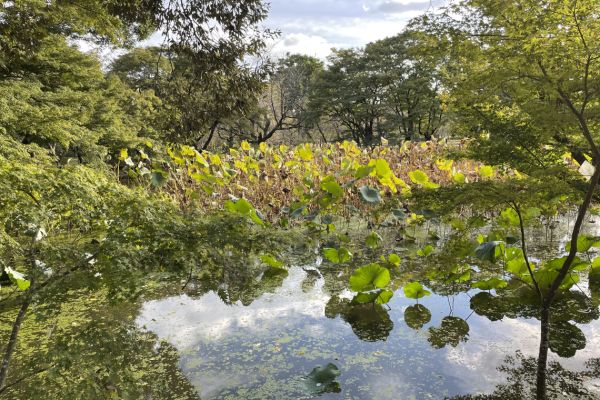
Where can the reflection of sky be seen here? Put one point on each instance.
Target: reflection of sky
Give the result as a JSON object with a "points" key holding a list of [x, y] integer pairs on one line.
{"points": [[184, 321], [228, 347]]}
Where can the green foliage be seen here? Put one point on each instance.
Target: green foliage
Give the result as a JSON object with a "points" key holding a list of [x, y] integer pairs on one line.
{"points": [[158, 178], [367, 90], [490, 284], [420, 178], [271, 261], [584, 243], [50, 114], [337, 256], [515, 262], [334, 192], [363, 171], [17, 278], [546, 277], [394, 259], [459, 178], [373, 240], [369, 277], [94, 203], [490, 251], [425, 251], [373, 297], [369, 194], [556, 264], [243, 207], [486, 171], [501, 80], [414, 290]]}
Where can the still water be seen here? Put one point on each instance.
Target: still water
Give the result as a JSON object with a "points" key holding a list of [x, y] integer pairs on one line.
{"points": [[297, 336]]}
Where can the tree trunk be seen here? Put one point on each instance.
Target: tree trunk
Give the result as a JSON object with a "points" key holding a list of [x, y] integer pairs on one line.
{"points": [[322, 133], [543, 354], [554, 288], [12, 341], [213, 129]]}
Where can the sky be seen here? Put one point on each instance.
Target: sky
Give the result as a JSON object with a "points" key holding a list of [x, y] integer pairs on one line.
{"points": [[313, 27]]}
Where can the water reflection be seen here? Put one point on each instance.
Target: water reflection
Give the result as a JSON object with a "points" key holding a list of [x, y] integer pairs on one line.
{"points": [[254, 333], [452, 331], [563, 384], [263, 340], [369, 322], [416, 316], [88, 349]]}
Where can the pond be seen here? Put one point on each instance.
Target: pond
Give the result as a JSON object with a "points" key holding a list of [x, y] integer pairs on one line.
{"points": [[298, 335]]}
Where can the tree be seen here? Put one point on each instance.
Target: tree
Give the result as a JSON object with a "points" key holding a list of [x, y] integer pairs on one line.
{"points": [[188, 27], [144, 68], [68, 107], [27, 25], [283, 103], [350, 93], [526, 87], [62, 221], [192, 107], [392, 86], [409, 68], [211, 73]]}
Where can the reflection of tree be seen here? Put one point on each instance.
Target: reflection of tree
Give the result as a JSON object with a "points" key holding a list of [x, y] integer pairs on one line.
{"points": [[233, 285], [416, 316], [595, 290], [452, 331], [369, 322], [565, 337], [521, 381], [322, 379], [309, 282], [89, 350]]}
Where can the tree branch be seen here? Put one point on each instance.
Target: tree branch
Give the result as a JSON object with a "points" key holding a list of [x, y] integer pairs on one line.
{"points": [[524, 249], [574, 237]]}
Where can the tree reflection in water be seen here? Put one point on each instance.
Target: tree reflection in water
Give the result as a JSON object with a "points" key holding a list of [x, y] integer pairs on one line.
{"points": [[520, 383]]}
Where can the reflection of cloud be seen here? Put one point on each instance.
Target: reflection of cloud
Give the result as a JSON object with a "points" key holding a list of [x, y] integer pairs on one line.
{"points": [[184, 321], [491, 342], [387, 385], [212, 382], [478, 359]]}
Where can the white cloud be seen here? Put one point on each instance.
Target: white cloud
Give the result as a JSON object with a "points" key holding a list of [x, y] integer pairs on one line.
{"points": [[402, 6], [313, 27], [309, 44]]}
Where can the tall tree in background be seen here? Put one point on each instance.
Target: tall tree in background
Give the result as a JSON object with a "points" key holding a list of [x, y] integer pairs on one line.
{"points": [[64, 104], [209, 38], [189, 112], [408, 65], [351, 93], [390, 88], [283, 104]]}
